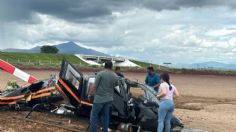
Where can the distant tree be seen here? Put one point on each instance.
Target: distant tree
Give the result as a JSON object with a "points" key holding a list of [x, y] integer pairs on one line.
{"points": [[49, 49]]}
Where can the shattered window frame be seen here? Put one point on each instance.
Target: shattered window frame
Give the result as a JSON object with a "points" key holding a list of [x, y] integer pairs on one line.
{"points": [[73, 77]]}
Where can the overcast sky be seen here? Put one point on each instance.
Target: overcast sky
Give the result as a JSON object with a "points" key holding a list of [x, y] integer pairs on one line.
{"points": [[177, 31]]}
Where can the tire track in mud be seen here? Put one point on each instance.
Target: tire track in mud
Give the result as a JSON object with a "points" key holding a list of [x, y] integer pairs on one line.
{"points": [[15, 121]]}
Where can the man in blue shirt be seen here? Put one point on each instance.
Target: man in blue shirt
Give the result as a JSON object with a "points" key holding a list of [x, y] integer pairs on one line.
{"points": [[153, 79]]}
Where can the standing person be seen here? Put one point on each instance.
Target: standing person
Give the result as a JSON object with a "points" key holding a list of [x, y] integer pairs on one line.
{"points": [[152, 79], [118, 73], [166, 108], [103, 90]]}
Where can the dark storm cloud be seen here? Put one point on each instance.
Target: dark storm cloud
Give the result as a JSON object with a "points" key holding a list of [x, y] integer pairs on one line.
{"points": [[92, 10], [14, 10], [177, 4], [71, 10]]}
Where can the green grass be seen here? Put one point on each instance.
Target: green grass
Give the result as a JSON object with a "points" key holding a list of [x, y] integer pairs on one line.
{"points": [[40, 59]]}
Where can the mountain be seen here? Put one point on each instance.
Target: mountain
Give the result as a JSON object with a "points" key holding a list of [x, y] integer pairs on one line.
{"points": [[73, 48], [65, 48], [211, 65]]}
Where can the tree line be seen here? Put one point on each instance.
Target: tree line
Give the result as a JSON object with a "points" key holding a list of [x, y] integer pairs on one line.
{"points": [[49, 49]]}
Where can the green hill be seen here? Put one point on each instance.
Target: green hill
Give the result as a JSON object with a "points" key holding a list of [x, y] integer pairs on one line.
{"points": [[39, 59]]}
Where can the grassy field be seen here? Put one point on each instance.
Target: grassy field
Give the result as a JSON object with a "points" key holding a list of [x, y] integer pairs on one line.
{"points": [[52, 60], [40, 60]]}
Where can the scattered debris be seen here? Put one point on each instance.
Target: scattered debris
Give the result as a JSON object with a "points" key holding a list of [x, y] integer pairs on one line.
{"points": [[128, 113], [11, 86]]}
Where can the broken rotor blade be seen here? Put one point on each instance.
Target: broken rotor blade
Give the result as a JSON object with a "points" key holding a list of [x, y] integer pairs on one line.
{"points": [[17, 72]]}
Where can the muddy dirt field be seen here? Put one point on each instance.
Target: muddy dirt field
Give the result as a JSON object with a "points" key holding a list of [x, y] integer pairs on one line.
{"points": [[207, 102]]}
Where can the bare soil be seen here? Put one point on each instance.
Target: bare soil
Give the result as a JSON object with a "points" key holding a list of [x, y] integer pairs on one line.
{"points": [[207, 102]]}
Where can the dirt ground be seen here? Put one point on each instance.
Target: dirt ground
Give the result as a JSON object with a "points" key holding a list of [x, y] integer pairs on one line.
{"points": [[207, 102]]}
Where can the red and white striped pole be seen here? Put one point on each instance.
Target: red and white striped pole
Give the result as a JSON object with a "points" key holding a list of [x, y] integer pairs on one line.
{"points": [[17, 72]]}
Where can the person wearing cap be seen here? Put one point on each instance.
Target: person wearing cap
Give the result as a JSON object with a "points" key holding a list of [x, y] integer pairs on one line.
{"points": [[118, 73], [152, 78], [103, 90]]}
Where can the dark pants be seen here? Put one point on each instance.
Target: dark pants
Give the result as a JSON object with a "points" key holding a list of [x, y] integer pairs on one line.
{"points": [[98, 109]]}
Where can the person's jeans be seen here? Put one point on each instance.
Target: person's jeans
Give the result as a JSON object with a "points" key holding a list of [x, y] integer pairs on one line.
{"points": [[165, 112], [103, 110]]}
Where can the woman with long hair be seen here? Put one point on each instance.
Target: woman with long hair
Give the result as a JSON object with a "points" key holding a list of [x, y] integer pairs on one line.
{"points": [[166, 108]]}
